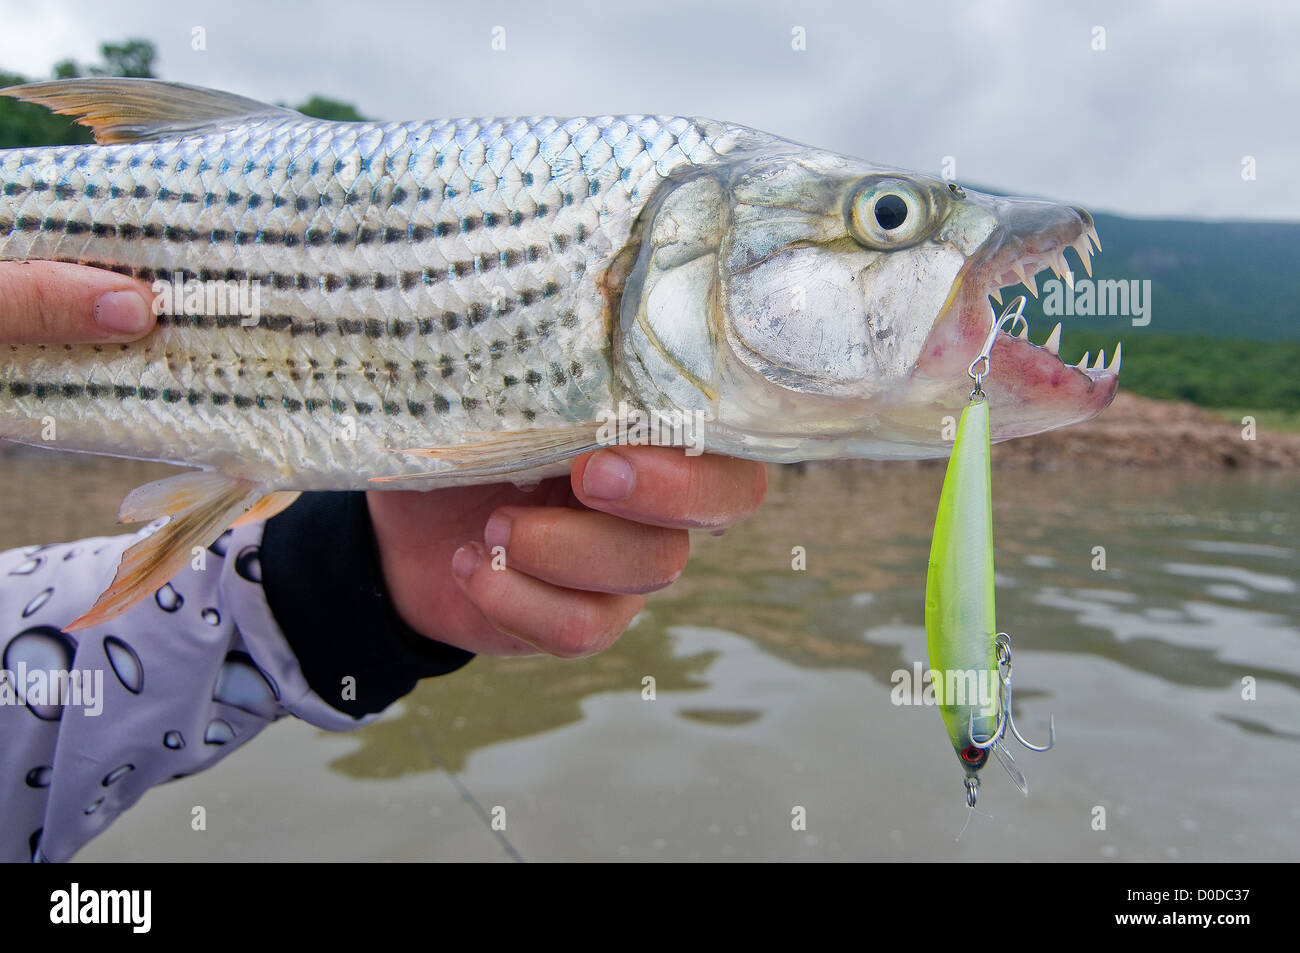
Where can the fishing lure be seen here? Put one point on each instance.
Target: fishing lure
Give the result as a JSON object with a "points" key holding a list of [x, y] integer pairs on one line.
{"points": [[970, 660]]}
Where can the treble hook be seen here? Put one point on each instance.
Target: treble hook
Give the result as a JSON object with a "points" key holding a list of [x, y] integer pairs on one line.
{"points": [[1004, 651], [998, 732], [1013, 312], [1006, 719]]}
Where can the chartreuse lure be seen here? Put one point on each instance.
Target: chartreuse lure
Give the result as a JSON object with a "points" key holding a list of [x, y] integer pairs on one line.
{"points": [[970, 660]]}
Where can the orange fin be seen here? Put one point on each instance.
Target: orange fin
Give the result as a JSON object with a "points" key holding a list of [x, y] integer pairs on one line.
{"points": [[268, 506], [119, 109], [171, 495], [200, 507], [509, 451]]}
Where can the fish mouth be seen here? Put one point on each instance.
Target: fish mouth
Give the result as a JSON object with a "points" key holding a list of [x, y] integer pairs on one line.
{"points": [[1032, 389]]}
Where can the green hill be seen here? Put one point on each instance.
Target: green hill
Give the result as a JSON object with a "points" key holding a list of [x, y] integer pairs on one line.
{"points": [[1224, 325], [1222, 279], [1225, 279]]}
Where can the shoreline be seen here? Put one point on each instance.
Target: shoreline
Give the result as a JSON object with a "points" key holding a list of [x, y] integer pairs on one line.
{"points": [[1136, 433], [1144, 433]]}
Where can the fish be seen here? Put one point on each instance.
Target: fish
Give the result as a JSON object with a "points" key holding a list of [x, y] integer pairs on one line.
{"points": [[462, 301]]}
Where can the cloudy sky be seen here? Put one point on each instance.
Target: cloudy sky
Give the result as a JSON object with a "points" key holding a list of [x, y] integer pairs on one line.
{"points": [[1158, 123]]}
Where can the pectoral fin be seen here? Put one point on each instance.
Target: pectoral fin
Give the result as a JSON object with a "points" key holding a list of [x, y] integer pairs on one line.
{"points": [[268, 506], [200, 506]]}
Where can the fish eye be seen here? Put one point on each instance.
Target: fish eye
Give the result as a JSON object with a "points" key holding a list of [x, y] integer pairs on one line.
{"points": [[885, 213], [890, 211], [972, 755]]}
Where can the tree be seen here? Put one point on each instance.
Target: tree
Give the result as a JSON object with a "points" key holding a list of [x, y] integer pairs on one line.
{"points": [[25, 124], [128, 58], [320, 107]]}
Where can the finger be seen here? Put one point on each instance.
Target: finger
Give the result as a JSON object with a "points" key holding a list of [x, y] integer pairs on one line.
{"points": [[45, 302], [563, 622], [663, 486], [583, 549]]}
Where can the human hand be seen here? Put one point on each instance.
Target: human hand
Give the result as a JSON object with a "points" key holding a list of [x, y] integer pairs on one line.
{"points": [[46, 302], [579, 551]]}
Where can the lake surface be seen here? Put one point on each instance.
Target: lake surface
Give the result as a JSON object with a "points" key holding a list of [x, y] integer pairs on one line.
{"points": [[773, 693]]}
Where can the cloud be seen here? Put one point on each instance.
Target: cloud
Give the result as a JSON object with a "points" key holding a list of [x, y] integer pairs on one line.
{"points": [[1157, 124]]}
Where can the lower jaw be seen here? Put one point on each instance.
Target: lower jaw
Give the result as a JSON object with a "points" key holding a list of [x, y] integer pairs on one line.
{"points": [[1029, 389]]}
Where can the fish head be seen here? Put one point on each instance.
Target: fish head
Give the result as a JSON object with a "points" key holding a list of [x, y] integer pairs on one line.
{"points": [[817, 306]]}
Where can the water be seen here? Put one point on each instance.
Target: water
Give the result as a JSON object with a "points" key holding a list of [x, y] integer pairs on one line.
{"points": [[773, 695]]}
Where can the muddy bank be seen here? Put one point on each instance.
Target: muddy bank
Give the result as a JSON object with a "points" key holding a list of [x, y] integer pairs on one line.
{"points": [[1140, 432]]}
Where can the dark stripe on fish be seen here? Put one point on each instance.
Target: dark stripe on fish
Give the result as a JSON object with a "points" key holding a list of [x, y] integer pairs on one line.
{"points": [[329, 282], [64, 390], [374, 327], [301, 281], [362, 236], [42, 390]]}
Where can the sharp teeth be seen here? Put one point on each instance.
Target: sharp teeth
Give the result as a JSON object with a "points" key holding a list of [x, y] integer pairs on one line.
{"points": [[1083, 365], [1019, 272], [997, 296], [1101, 360], [1114, 363], [1053, 342], [1063, 269], [1085, 253], [1032, 285], [1092, 233], [1024, 333]]}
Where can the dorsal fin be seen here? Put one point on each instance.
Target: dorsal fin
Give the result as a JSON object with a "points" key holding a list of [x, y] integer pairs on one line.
{"points": [[118, 109]]}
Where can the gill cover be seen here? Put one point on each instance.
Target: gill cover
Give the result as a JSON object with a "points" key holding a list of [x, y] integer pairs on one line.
{"points": [[832, 277], [669, 338], [792, 285]]}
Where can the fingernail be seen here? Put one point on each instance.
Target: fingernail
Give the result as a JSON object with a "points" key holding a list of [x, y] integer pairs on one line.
{"points": [[608, 477], [122, 312], [497, 531], [466, 560]]}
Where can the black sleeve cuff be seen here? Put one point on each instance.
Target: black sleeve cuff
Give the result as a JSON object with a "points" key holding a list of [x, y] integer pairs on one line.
{"points": [[324, 584]]}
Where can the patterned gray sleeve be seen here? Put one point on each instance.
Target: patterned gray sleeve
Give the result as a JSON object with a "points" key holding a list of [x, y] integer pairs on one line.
{"points": [[91, 720]]}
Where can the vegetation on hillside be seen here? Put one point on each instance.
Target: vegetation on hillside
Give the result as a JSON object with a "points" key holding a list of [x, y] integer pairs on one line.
{"points": [[1212, 372], [26, 124]]}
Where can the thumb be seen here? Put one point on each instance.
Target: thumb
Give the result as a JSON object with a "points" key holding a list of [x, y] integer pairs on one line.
{"points": [[45, 302]]}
